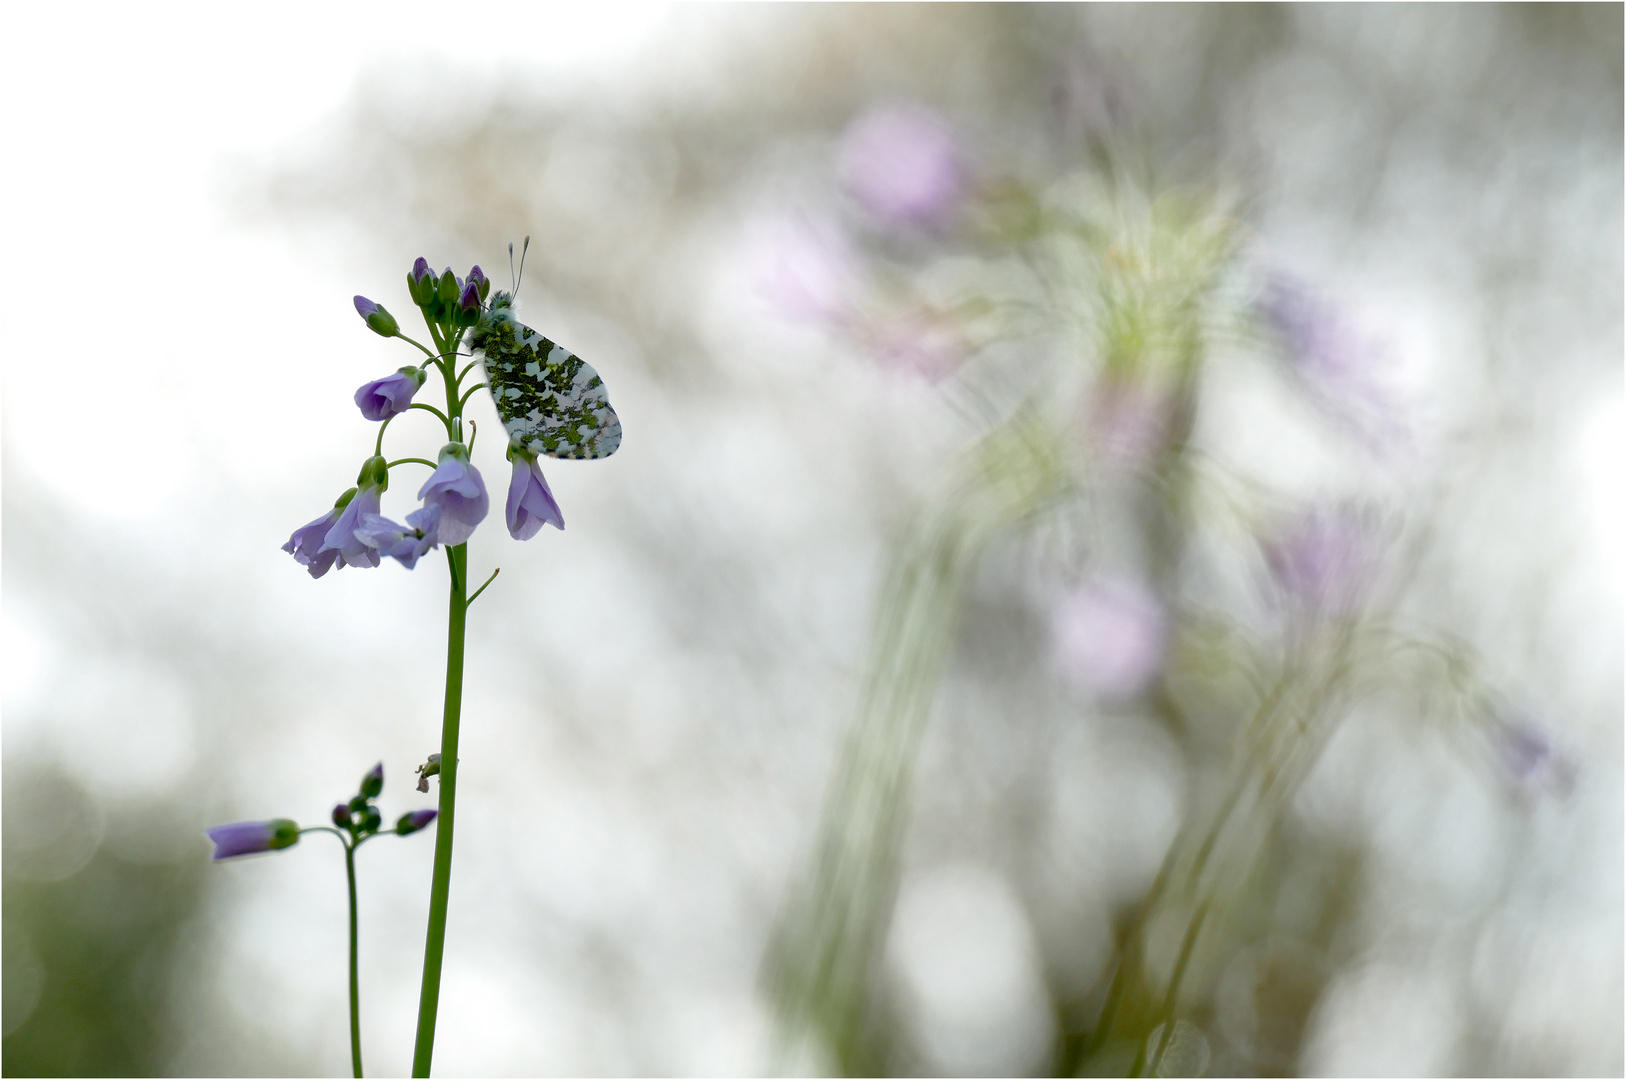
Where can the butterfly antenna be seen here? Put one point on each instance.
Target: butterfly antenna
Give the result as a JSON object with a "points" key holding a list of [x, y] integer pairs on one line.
{"points": [[522, 251], [512, 280]]}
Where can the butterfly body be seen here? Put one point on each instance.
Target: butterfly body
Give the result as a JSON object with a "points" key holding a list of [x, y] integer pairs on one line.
{"points": [[550, 400]]}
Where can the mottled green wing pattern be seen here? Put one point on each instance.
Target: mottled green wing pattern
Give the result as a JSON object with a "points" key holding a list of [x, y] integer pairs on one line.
{"points": [[550, 401]]}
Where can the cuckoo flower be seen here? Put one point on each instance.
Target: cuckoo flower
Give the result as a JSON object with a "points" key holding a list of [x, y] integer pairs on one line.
{"points": [[352, 549], [250, 837], [405, 543], [901, 163], [1324, 562], [391, 395], [1109, 637], [530, 501], [305, 545], [457, 493]]}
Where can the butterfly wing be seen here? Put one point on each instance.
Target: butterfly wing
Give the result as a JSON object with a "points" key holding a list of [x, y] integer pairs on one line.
{"points": [[550, 400]]}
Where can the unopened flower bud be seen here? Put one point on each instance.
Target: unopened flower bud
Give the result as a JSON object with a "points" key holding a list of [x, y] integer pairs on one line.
{"points": [[373, 783], [381, 321], [478, 277], [249, 837], [411, 823], [448, 288], [421, 282], [341, 816], [373, 821], [375, 472], [358, 804]]}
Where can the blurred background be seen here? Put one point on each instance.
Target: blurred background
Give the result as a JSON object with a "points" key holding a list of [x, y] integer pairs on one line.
{"points": [[1114, 566]]}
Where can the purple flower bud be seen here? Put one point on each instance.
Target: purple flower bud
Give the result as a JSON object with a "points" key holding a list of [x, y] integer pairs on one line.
{"points": [[477, 277], [470, 299], [249, 837], [1324, 562], [381, 321], [458, 493], [417, 819], [391, 395], [1109, 637], [342, 539], [373, 783], [305, 545], [901, 163], [341, 816], [531, 504], [420, 269]]}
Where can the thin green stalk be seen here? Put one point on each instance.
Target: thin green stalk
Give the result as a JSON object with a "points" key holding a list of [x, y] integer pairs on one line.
{"points": [[435, 943], [355, 981]]}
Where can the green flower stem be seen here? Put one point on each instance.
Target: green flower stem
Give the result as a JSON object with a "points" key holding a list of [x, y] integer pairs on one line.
{"points": [[355, 980], [435, 943]]}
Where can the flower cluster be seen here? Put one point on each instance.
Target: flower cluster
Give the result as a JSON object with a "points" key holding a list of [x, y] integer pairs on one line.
{"points": [[454, 501], [357, 820]]}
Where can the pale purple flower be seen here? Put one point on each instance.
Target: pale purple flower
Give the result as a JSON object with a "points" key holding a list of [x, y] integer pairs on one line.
{"points": [[803, 272], [389, 396], [1325, 561], [1128, 422], [1529, 759], [250, 837], [412, 822], [922, 347], [531, 504], [420, 269], [459, 495], [305, 545], [405, 543], [902, 164], [1344, 370], [342, 538], [1109, 637]]}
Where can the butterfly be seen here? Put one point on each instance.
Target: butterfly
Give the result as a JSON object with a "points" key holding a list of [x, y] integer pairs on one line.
{"points": [[550, 400]]}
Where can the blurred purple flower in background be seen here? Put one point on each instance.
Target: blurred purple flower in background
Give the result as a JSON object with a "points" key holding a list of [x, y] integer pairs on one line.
{"points": [[250, 837], [1528, 759], [1109, 636], [342, 539], [530, 501], [458, 493], [1128, 421], [803, 272], [389, 396], [920, 346], [1342, 368], [1324, 561], [902, 165]]}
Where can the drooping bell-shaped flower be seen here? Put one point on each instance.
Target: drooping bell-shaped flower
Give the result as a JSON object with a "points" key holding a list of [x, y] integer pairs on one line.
{"points": [[250, 837], [305, 545], [458, 493], [531, 504], [391, 395], [352, 549]]}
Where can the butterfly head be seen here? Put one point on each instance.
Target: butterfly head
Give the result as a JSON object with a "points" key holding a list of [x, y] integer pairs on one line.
{"points": [[499, 309]]}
